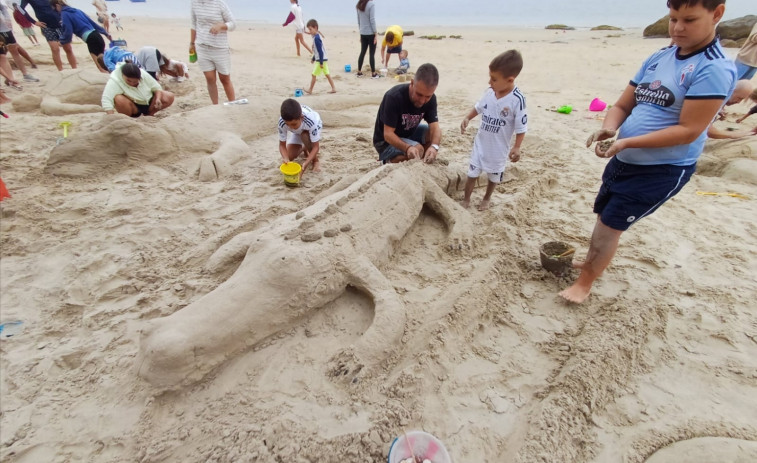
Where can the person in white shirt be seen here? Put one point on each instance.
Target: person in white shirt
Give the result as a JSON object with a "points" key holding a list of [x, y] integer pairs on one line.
{"points": [[211, 22], [295, 17], [503, 112]]}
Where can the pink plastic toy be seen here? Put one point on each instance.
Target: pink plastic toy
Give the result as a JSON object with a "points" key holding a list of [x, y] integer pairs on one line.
{"points": [[597, 105]]}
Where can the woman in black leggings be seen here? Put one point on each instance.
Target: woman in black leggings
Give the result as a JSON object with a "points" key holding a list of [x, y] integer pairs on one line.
{"points": [[366, 21]]}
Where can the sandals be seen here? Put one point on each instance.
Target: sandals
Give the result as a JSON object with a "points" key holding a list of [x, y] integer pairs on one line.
{"points": [[13, 84]]}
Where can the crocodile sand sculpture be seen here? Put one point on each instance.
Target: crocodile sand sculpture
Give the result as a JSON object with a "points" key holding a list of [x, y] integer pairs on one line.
{"points": [[341, 240]]}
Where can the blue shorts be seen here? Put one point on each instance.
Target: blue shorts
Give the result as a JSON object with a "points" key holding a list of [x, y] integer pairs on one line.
{"points": [[396, 49], [418, 137], [744, 71], [630, 192]]}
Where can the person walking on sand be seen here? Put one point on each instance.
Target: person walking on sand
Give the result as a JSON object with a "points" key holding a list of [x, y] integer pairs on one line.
{"points": [[662, 117], [321, 68], [49, 22], [366, 22], [211, 22], [503, 113], [5, 67], [116, 21], [26, 26], [16, 50], [295, 17]]}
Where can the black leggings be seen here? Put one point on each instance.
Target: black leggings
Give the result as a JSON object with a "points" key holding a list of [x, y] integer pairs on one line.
{"points": [[365, 42]]}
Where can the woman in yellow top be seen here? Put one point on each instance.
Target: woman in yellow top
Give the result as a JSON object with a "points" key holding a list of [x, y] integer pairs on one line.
{"points": [[392, 44]]}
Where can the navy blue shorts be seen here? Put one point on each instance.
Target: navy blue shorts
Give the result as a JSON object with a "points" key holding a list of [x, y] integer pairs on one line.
{"points": [[630, 192], [418, 137]]}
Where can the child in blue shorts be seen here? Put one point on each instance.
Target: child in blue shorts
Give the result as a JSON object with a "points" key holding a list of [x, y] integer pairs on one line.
{"points": [[661, 119], [321, 68]]}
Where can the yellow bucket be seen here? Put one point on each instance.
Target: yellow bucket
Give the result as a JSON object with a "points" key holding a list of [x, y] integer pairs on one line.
{"points": [[291, 171]]}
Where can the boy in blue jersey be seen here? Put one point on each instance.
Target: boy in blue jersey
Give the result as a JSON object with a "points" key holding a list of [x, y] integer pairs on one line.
{"points": [[662, 117], [321, 68], [300, 133]]}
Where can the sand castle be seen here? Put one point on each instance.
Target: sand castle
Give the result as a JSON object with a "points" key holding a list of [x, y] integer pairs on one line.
{"points": [[298, 264]]}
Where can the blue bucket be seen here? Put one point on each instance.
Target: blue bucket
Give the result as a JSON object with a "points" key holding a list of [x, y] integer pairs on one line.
{"points": [[347, 68]]}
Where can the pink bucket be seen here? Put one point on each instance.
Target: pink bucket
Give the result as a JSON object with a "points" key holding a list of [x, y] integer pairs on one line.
{"points": [[597, 105]]}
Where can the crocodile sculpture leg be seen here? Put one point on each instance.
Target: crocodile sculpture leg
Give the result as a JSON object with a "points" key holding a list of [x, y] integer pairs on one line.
{"points": [[383, 336], [458, 222]]}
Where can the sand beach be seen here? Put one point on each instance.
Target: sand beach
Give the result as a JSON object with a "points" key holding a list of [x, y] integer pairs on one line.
{"points": [[120, 225]]}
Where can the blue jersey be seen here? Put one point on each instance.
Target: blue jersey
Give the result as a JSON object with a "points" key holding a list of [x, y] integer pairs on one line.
{"points": [[662, 84]]}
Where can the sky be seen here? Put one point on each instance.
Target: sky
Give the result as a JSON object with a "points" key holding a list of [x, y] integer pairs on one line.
{"points": [[530, 13]]}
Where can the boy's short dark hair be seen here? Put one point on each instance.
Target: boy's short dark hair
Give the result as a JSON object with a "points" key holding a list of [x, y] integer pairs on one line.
{"points": [[291, 110], [508, 64], [312, 23], [389, 37], [709, 4], [131, 70]]}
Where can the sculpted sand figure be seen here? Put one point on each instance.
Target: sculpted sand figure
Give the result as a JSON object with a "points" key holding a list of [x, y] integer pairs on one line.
{"points": [[340, 240]]}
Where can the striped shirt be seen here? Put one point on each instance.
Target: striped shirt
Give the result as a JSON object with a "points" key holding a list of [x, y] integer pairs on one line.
{"points": [[206, 13], [500, 119], [311, 122]]}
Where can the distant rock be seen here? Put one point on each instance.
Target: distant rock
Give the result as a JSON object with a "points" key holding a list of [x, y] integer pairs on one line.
{"points": [[728, 43], [561, 27], [605, 27], [738, 28], [658, 29]]}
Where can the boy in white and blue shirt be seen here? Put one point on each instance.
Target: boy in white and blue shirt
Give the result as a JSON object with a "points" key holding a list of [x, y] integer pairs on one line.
{"points": [[299, 133], [503, 113]]}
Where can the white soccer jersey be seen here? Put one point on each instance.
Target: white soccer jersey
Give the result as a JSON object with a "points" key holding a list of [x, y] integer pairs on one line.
{"points": [[311, 122], [500, 119]]}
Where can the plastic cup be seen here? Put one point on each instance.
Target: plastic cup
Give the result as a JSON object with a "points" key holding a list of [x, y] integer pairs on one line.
{"points": [[567, 109], [424, 445]]}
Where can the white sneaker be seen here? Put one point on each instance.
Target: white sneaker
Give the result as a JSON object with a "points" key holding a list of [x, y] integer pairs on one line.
{"points": [[30, 78]]}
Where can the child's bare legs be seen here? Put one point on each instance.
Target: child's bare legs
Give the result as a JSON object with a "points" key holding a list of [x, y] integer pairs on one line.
{"points": [[298, 39], [604, 243], [210, 80], [55, 49], [469, 184], [293, 151], [312, 84], [333, 88], [484, 204]]}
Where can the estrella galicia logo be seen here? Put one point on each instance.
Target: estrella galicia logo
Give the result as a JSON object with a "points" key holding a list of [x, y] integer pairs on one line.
{"points": [[654, 93]]}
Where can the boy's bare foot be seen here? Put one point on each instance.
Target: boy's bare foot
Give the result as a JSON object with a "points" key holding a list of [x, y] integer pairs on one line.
{"points": [[576, 293], [309, 92], [333, 90], [483, 205], [465, 203]]}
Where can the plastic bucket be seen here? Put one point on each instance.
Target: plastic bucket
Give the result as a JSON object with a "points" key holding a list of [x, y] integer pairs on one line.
{"points": [[298, 92], [424, 445], [347, 68], [291, 171], [557, 257]]}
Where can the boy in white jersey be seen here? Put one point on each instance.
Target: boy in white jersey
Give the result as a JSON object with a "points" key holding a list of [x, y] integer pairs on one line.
{"points": [[662, 117], [503, 112], [299, 132]]}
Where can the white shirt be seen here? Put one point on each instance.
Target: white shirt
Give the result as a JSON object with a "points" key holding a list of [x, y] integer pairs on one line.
{"points": [[206, 13], [311, 121], [299, 23], [500, 119]]}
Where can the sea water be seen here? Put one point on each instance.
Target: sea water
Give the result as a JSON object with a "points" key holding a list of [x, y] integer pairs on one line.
{"points": [[525, 13]]}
